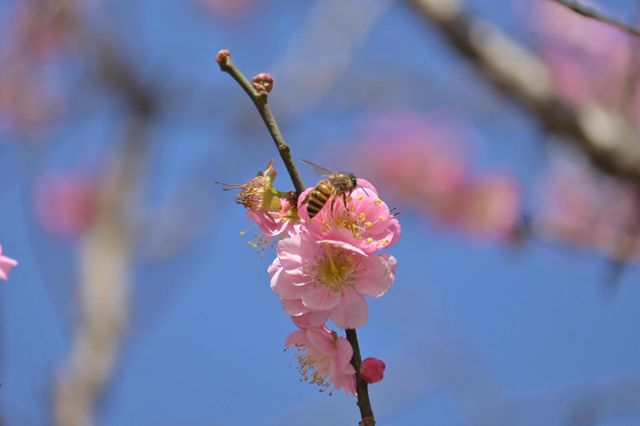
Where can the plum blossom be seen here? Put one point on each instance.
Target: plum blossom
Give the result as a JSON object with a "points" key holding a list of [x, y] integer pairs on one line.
{"points": [[282, 221], [589, 61], [271, 210], [435, 177], [65, 203], [365, 222], [311, 275], [586, 209], [6, 264], [323, 358], [492, 207]]}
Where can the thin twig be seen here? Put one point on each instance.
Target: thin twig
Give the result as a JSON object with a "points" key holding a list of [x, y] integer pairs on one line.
{"points": [[261, 101], [598, 16], [259, 98], [364, 403]]}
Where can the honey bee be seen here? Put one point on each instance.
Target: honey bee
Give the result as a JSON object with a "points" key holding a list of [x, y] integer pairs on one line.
{"points": [[336, 184]]}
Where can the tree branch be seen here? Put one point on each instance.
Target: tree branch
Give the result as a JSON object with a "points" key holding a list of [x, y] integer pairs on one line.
{"points": [[364, 403], [257, 91], [260, 100], [607, 139], [594, 14]]}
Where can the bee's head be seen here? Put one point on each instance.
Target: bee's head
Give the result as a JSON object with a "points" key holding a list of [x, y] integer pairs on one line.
{"points": [[353, 180]]}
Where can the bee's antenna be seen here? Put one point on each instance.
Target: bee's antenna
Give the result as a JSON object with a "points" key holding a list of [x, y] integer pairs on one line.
{"points": [[364, 189], [228, 186]]}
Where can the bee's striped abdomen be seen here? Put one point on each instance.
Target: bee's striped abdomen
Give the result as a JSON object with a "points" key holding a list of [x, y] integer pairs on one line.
{"points": [[318, 197]]}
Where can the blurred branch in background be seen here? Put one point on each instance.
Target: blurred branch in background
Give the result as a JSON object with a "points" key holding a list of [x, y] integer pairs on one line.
{"points": [[598, 16], [105, 250], [606, 138], [104, 286], [316, 59]]}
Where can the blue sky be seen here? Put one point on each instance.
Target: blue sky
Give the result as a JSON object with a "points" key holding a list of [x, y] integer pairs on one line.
{"points": [[472, 333]]}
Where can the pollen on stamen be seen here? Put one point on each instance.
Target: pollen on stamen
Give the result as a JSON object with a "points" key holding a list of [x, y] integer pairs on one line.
{"points": [[261, 243], [369, 240], [378, 202]]}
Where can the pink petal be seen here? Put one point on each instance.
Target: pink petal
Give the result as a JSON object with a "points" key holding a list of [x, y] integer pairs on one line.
{"points": [[311, 319], [286, 286], [321, 340], [321, 299], [6, 264], [344, 353], [296, 338], [352, 312], [343, 245], [378, 273], [293, 307]]}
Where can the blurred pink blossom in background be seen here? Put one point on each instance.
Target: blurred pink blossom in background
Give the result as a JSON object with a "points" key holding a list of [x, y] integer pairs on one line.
{"points": [[589, 60], [65, 203], [419, 159], [585, 208], [229, 9]]}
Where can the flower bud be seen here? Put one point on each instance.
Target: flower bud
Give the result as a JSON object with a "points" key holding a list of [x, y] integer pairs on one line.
{"points": [[263, 82], [221, 57], [371, 370]]}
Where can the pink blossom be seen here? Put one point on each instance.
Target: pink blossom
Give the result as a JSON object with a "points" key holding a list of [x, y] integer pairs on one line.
{"points": [[365, 222], [273, 213], [65, 204], [584, 208], [329, 276], [492, 206], [589, 61], [324, 358], [229, 9], [372, 370], [6, 264], [423, 164], [283, 221]]}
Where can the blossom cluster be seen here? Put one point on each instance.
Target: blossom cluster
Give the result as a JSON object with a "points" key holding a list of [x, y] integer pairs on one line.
{"points": [[325, 265], [587, 209]]}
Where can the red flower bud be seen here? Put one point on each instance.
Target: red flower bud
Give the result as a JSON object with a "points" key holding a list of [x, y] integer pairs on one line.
{"points": [[371, 370], [222, 56], [263, 82]]}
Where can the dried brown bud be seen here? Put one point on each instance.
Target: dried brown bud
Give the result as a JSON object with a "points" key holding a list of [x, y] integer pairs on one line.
{"points": [[222, 56], [263, 82]]}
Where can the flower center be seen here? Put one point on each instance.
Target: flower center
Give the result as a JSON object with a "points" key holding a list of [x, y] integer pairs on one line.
{"points": [[313, 366], [335, 269], [346, 218]]}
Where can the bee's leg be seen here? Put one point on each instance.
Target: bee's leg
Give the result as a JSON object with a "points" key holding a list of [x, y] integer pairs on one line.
{"points": [[305, 200], [333, 202], [344, 200]]}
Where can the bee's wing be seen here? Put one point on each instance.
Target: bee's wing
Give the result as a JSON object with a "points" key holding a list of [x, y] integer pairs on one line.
{"points": [[316, 168]]}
